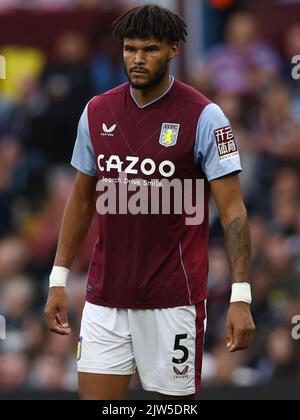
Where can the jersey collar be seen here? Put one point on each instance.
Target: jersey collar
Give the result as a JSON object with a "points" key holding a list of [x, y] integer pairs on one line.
{"points": [[172, 80]]}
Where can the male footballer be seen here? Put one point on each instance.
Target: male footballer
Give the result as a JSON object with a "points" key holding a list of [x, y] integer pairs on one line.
{"points": [[147, 282]]}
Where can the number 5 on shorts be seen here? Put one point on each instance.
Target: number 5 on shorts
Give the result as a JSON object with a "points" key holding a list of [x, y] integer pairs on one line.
{"points": [[178, 346]]}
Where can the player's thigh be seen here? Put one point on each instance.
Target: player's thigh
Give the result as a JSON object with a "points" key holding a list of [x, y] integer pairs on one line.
{"points": [[105, 357], [168, 345], [103, 387]]}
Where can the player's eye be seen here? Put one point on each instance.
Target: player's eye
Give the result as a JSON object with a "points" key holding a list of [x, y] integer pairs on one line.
{"points": [[152, 49], [129, 49]]}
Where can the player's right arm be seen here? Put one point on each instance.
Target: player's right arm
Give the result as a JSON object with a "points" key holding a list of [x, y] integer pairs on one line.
{"points": [[78, 214], [77, 218]]}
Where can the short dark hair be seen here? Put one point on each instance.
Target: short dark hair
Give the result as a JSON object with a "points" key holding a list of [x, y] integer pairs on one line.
{"points": [[150, 21]]}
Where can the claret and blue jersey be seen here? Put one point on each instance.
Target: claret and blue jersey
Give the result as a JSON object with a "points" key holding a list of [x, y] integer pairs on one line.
{"points": [[153, 261]]}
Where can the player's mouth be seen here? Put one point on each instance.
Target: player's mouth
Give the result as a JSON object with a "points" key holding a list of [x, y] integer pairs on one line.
{"points": [[138, 71]]}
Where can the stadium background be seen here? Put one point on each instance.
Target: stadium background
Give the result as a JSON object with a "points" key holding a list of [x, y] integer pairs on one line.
{"points": [[59, 53]]}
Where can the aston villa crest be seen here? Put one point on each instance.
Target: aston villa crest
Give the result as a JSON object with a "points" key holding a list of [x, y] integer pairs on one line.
{"points": [[169, 134]]}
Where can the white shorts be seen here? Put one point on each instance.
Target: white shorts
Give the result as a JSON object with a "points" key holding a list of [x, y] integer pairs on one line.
{"points": [[165, 345]]}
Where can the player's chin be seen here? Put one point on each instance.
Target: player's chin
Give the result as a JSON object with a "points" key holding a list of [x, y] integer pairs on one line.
{"points": [[139, 86], [139, 83]]}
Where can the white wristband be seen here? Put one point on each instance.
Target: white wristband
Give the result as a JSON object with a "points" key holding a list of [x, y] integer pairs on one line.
{"points": [[241, 292], [59, 277]]}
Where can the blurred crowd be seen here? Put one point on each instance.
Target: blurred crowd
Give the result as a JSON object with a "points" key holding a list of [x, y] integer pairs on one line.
{"points": [[39, 113], [12, 5], [253, 84]]}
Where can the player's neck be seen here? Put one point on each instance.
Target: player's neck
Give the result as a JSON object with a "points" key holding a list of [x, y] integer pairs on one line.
{"points": [[145, 97]]}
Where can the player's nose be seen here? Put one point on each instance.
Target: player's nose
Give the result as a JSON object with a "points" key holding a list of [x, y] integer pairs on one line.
{"points": [[140, 58]]}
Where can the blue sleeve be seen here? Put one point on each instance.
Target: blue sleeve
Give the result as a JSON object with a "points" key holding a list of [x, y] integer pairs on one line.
{"points": [[215, 148], [84, 159]]}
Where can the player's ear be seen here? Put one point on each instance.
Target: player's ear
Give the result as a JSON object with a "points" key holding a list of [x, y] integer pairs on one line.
{"points": [[174, 50]]}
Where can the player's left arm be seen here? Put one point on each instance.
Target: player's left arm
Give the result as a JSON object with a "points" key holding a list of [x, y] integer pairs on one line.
{"points": [[227, 192]]}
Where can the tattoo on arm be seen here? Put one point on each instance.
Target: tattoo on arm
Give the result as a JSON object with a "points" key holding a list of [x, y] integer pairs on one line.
{"points": [[238, 247]]}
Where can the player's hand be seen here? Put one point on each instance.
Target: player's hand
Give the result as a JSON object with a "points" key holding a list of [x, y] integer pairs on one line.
{"points": [[240, 328], [56, 311]]}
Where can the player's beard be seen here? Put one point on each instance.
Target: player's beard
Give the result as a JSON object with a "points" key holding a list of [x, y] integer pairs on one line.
{"points": [[154, 81]]}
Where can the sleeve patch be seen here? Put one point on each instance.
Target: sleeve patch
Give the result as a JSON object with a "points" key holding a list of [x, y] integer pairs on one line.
{"points": [[226, 144]]}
